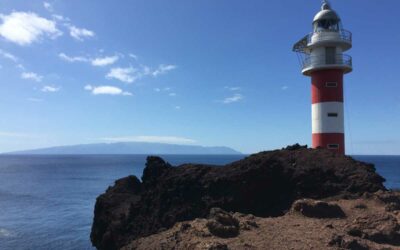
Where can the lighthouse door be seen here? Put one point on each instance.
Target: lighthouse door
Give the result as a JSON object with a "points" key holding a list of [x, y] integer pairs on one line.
{"points": [[330, 55]]}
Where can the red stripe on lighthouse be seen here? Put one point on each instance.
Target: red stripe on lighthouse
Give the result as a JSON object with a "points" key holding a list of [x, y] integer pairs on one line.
{"points": [[327, 99], [329, 141], [323, 85]]}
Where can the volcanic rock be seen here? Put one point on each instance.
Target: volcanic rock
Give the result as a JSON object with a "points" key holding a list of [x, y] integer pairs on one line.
{"points": [[380, 228], [318, 209], [263, 184], [343, 243], [222, 224], [391, 199]]}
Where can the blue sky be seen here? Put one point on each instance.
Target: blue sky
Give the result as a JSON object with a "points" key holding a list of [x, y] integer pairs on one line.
{"points": [[198, 72]]}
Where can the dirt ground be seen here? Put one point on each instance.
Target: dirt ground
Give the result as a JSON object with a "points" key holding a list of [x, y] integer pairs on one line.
{"points": [[369, 223]]}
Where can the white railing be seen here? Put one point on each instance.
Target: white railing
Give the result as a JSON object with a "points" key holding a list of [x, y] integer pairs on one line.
{"points": [[327, 35], [319, 61], [321, 36]]}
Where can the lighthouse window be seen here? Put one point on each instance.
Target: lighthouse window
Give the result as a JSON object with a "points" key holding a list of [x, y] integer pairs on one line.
{"points": [[333, 146], [332, 114], [327, 24], [331, 84]]}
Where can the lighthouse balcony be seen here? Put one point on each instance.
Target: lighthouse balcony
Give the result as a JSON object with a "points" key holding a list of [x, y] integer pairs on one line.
{"points": [[324, 38], [339, 61], [328, 37]]}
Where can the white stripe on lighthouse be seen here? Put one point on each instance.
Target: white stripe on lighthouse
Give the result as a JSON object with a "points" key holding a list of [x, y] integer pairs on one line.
{"points": [[327, 117]]}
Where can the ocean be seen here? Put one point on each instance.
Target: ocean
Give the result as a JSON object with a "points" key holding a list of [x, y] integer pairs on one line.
{"points": [[46, 202]]}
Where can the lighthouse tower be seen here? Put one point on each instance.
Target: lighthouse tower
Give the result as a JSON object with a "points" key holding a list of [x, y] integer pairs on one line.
{"points": [[322, 58]]}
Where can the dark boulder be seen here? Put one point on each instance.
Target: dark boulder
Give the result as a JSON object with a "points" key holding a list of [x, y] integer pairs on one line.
{"points": [[222, 224], [218, 246], [318, 209], [343, 243], [380, 228], [263, 184], [390, 199]]}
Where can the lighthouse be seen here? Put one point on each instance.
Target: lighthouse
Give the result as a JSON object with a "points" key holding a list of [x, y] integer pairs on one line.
{"points": [[322, 56]]}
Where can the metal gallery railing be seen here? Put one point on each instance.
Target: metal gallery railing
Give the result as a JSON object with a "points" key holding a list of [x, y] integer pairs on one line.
{"points": [[326, 35], [320, 36], [319, 61]]}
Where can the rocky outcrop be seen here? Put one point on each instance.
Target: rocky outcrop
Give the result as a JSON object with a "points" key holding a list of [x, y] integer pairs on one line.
{"points": [[345, 243], [318, 209], [380, 228], [222, 224], [264, 184]]}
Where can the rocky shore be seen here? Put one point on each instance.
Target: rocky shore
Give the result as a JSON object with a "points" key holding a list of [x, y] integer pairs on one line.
{"points": [[294, 198]]}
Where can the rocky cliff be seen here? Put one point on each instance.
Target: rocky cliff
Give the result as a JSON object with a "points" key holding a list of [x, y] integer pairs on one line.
{"points": [[264, 185]]}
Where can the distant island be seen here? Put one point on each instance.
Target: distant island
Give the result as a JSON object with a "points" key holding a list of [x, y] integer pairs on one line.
{"points": [[130, 148]]}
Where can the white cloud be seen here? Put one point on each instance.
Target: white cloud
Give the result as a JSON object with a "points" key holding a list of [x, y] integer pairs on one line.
{"points": [[177, 107], [48, 88], [99, 62], [284, 87], [154, 139], [146, 70], [48, 6], [133, 56], [106, 90], [73, 59], [9, 56], [31, 76], [166, 90], [24, 28], [104, 61], [162, 69], [233, 88], [88, 87], [234, 98], [80, 33], [20, 66], [12, 134], [61, 18], [31, 99], [127, 75]]}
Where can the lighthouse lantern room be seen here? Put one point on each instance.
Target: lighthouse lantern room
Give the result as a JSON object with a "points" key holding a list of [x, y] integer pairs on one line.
{"points": [[322, 58]]}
